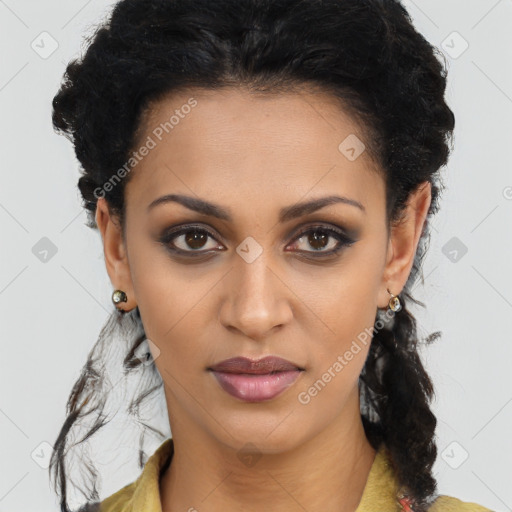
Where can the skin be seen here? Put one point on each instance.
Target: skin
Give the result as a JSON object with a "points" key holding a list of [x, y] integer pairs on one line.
{"points": [[255, 155]]}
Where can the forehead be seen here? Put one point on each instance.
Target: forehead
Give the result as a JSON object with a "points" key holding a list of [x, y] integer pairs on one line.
{"points": [[259, 149]]}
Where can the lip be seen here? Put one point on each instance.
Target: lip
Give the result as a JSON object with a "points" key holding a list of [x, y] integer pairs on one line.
{"points": [[256, 381], [256, 388], [260, 366]]}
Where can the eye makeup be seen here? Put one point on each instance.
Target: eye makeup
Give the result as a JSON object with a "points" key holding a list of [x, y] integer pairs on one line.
{"points": [[190, 240]]}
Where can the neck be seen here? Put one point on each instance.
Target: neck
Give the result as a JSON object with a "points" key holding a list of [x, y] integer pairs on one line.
{"points": [[326, 472]]}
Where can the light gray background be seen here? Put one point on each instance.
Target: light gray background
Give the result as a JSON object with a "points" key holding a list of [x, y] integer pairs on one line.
{"points": [[53, 311]]}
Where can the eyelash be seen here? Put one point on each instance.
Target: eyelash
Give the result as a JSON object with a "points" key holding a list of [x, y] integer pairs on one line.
{"points": [[339, 235]]}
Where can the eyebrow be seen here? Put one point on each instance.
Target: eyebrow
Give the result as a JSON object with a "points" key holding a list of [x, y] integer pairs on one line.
{"points": [[285, 214]]}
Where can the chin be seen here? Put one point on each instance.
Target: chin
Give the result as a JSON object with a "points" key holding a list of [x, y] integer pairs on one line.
{"points": [[265, 438]]}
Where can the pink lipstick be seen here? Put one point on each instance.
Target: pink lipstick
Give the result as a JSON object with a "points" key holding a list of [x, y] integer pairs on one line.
{"points": [[255, 381]]}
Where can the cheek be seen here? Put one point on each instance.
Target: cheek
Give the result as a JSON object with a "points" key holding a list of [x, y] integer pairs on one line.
{"points": [[165, 302], [174, 309], [344, 325], [159, 286], [337, 365], [344, 303]]}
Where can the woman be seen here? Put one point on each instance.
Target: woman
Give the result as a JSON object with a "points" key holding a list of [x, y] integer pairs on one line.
{"points": [[262, 175]]}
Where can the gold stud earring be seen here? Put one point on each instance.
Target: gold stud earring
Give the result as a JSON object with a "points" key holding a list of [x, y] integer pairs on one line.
{"points": [[394, 303], [119, 296]]}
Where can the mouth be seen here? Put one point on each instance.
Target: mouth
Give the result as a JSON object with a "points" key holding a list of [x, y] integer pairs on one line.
{"points": [[256, 381]]}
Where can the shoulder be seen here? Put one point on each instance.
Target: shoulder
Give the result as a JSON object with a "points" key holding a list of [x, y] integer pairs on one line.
{"points": [[143, 494], [450, 504]]}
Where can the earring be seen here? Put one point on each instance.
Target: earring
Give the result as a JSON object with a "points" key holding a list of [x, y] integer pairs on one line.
{"points": [[394, 303], [119, 296]]}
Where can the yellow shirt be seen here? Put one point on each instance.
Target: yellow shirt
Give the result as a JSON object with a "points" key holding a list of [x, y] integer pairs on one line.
{"points": [[379, 495]]}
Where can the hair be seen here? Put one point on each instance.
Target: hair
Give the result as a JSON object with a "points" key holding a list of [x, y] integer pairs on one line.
{"points": [[368, 56]]}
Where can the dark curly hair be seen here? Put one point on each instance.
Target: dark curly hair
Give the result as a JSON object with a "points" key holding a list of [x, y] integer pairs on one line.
{"points": [[367, 55]]}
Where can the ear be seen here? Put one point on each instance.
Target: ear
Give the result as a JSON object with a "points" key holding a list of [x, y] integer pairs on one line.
{"points": [[403, 242], [116, 259]]}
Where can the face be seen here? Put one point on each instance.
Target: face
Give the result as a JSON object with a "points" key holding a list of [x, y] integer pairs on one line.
{"points": [[253, 273]]}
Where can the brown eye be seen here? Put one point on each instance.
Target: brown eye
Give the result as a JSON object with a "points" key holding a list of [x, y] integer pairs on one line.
{"points": [[318, 239], [189, 240], [322, 240], [195, 239]]}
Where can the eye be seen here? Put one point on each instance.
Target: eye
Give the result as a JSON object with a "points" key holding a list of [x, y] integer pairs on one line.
{"points": [[189, 239], [318, 238]]}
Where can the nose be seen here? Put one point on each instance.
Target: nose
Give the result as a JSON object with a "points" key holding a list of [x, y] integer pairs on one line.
{"points": [[255, 299]]}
